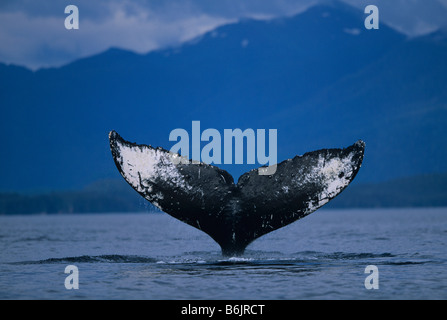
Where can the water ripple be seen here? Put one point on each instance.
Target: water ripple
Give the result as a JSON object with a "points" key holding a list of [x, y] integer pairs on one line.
{"points": [[253, 259], [113, 258]]}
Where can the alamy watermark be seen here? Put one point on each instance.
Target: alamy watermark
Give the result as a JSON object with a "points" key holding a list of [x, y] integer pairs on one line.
{"points": [[372, 280], [72, 20], [372, 20], [211, 153], [72, 280]]}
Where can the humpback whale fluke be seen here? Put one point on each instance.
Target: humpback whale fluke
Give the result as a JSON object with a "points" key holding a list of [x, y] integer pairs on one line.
{"points": [[234, 215]]}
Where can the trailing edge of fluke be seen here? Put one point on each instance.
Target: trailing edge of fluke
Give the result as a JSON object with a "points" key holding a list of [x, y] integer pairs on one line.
{"points": [[235, 214]]}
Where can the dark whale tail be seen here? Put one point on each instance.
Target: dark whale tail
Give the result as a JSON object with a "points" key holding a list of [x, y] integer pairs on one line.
{"points": [[234, 215]]}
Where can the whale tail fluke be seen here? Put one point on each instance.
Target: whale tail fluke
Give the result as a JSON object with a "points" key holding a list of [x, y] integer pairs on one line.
{"points": [[235, 214]]}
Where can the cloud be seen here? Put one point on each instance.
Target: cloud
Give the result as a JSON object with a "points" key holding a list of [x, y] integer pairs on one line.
{"points": [[32, 33], [411, 17], [37, 40]]}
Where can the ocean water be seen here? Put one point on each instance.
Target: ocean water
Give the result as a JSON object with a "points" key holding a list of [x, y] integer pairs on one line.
{"points": [[154, 256]]}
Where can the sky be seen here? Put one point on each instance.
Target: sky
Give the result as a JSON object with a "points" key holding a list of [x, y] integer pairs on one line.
{"points": [[33, 34]]}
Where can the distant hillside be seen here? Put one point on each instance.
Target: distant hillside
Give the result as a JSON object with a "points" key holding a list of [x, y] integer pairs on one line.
{"points": [[117, 196], [420, 191], [102, 196]]}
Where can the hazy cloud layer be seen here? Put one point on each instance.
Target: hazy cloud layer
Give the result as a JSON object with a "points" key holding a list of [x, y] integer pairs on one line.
{"points": [[32, 33], [39, 38], [412, 17]]}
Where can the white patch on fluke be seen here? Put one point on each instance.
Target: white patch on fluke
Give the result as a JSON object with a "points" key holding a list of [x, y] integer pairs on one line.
{"points": [[334, 175], [142, 166]]}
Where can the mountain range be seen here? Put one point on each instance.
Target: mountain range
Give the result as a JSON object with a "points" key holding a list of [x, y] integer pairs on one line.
{"points": [[320, 78]]}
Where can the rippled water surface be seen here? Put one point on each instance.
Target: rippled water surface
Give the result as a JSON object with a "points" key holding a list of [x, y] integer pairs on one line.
{"points": [[153, 256]]}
